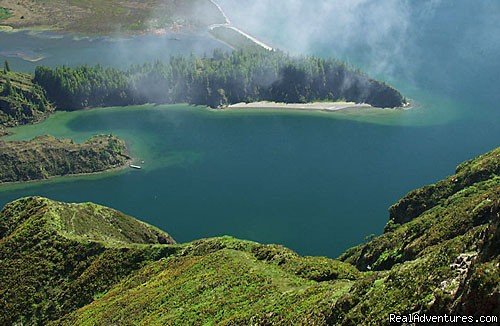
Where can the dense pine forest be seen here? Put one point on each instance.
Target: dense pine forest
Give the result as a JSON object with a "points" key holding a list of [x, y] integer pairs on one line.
{"points": [[215, 81]]}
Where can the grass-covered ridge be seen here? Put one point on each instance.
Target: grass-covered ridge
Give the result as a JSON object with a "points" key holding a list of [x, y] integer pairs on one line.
{"points": [[46, 156], [55, 257], [76, 254], [84, 222], [89, 265]]}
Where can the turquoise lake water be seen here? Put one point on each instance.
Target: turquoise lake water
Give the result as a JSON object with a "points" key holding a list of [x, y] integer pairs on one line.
{"points": [[315, 182]]}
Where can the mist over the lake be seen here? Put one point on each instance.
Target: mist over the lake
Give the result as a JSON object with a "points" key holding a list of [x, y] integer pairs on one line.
{"points": [[386, 38]]}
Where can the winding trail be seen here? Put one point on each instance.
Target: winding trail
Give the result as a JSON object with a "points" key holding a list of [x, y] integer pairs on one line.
{"points": [[229, 25]]}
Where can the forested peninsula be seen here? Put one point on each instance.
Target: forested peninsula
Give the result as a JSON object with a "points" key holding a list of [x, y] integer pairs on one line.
{"points": [[84, 264], [249, 75], [219, 80]]}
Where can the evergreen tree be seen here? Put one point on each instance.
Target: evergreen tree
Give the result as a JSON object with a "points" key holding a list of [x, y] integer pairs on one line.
{"points": [[8, 89], [6, 67]]}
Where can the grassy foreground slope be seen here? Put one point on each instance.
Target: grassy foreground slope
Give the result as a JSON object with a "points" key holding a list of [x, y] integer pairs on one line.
{"points": [[46, 156], [444, 260], [56, 257], [110, 16]]}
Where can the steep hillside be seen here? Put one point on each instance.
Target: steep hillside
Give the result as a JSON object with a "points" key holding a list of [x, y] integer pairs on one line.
{"points": [[444, 261], [70, 255], [85, 268], [46, 156], [24, 102], [56, 257], [21, 101]]}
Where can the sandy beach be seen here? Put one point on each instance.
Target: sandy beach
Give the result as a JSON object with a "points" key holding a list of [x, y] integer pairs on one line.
{"points": [[318, 106]]}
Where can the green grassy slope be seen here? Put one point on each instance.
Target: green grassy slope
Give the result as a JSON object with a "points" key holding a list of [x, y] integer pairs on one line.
{"points": [[221, 287], [21, 101], [83, 272], [46, 156], [56, 257], [224, 281]]}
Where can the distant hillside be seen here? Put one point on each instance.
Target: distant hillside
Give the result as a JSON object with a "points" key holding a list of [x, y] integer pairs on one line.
{"points": [[66, 264], [21, 101], [110, 16], [46, 156]]}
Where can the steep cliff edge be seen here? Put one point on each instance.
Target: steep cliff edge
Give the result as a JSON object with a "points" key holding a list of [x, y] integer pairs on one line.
{"points": [[69, 264]]}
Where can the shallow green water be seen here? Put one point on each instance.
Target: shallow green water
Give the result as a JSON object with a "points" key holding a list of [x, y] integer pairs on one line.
{"points": [[316, 182]]}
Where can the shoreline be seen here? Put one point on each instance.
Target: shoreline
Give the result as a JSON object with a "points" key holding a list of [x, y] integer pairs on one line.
{"points": [[314, 106], [52, 177], [116, 168], [104, 34]]}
